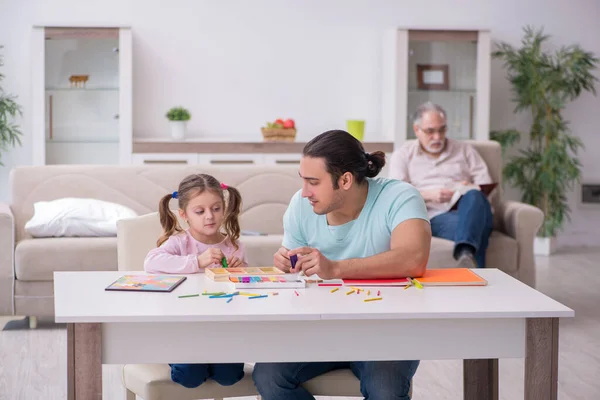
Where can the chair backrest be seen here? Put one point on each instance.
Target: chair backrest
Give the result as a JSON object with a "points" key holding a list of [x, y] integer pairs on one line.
{"points": [[136, 237]]}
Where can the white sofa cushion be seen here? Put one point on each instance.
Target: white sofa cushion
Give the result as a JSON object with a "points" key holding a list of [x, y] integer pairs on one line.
{"points": [[70, 217]]}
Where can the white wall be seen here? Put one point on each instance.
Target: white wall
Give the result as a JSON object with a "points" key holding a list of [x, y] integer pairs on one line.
{"points": [[238, 63], [461, 58]]}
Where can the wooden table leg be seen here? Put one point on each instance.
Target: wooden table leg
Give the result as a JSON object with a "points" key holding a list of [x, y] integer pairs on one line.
{"points": [[480, 379], [541, 359], [84, 361]]}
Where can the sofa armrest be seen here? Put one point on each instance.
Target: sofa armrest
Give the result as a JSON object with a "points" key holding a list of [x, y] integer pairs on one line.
{"points": [[261, 249], [522, 221], [7, 251]]}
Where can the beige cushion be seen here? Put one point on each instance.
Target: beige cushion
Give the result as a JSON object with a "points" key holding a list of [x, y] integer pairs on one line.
{"points": [[341, 382], [502, 253], [153, 382], [37, 259]]}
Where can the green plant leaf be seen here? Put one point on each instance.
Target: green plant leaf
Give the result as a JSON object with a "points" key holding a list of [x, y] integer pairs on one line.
{"points": [[542, 84], [10, 134], [178, 114]]}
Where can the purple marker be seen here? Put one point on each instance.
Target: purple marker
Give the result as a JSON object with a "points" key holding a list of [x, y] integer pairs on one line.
{"points": [[294, 260]]}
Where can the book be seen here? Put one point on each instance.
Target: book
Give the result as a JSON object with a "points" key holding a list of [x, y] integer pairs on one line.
{"points": [[432, 277], [146, 283], [376, 282], [460, 190]]}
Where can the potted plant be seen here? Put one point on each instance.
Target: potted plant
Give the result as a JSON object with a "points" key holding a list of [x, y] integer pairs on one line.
{"points": [[543, 83], [10, 135], [178, 118]]}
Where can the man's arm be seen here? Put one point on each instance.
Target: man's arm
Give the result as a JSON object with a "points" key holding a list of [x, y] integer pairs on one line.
{"points": [[477, 167], [293, 236], [408, 255]]}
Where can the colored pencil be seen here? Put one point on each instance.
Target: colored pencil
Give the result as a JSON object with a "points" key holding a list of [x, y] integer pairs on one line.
{"points": [[189, 295]]}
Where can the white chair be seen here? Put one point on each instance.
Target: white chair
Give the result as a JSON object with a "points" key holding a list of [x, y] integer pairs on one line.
{"points": [[135, 238]]}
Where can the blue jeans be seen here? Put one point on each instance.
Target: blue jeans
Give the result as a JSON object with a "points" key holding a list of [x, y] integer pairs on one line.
{"points": [[379, 380], [471, 224], [193, 375]]}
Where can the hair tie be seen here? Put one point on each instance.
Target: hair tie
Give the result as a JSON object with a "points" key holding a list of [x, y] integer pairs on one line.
{"points": [[224, 186], [174, 195]]}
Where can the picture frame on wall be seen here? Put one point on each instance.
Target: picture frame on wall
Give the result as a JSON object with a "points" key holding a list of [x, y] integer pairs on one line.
{"points": [[432, 77]]}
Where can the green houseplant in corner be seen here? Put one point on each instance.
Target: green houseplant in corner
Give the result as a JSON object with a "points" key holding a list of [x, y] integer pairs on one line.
{"points": [[543, 83], [178, 117], [10, 135]]}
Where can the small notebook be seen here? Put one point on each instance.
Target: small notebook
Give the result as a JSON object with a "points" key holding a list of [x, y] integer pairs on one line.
{"points": [[485, 188], [146, 283], [432, 277]]}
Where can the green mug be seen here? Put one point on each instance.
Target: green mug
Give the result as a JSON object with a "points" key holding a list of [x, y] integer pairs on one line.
{"points": [[356, 128]]}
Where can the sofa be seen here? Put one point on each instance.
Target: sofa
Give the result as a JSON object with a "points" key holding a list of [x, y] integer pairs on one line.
{"points": [[27, 264]]}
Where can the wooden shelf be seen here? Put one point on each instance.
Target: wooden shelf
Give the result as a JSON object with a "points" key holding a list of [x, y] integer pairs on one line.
{"points": [[169, 146]]}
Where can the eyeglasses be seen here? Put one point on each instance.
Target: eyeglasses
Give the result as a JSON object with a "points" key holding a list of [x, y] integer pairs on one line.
{"points": [[430, 131]]}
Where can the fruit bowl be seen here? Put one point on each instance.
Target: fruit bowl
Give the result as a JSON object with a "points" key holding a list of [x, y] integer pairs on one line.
{"points": [[279, 134], [279, 131]]}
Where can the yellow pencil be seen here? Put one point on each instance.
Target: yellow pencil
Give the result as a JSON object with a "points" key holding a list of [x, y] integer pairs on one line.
{"points": [[248, 294], [374, 299], [334, 290], [350, 292]]}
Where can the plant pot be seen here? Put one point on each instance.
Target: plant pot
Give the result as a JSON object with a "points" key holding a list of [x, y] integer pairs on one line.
{"points": [[544, 246], [178, 129]]}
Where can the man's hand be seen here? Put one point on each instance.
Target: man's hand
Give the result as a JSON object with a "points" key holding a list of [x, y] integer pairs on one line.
{"points": [[442, 195], [281, 260], [312, 262]]}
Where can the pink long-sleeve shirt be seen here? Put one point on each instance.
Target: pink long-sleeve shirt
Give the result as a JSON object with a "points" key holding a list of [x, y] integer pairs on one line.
{"points": [[178, 255]]}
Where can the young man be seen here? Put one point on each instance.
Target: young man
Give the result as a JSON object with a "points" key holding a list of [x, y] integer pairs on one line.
{"points": [[346, 224], [436, 165]]}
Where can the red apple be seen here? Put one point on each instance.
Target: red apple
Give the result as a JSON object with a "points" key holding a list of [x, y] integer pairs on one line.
{"points": [[279, 121], [289, 123]]}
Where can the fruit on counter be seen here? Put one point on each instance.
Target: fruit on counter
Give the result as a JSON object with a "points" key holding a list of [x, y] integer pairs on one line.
{"points": [[281, 124]]}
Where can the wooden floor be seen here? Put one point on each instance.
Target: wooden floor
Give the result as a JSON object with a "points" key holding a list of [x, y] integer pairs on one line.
{"points": [[33, 362]]}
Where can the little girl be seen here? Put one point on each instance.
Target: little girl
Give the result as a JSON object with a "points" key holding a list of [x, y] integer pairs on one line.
{"points": [[202, 205]]}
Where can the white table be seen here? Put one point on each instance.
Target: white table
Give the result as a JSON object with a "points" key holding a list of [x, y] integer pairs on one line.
{"points": [[505, 319]]}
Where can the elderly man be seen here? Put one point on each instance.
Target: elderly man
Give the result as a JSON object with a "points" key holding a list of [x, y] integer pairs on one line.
{"points": [[438, 167]]}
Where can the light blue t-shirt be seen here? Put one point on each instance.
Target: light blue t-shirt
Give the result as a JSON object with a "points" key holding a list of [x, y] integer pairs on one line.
{"points": [[389, 202]]}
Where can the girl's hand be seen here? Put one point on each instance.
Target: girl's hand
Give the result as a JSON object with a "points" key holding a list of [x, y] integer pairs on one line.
{"points": [[209, 257], [234, 262]]}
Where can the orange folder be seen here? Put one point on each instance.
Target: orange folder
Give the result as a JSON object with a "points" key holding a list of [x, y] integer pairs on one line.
{"points": [[432, 277], [451, 277]]}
